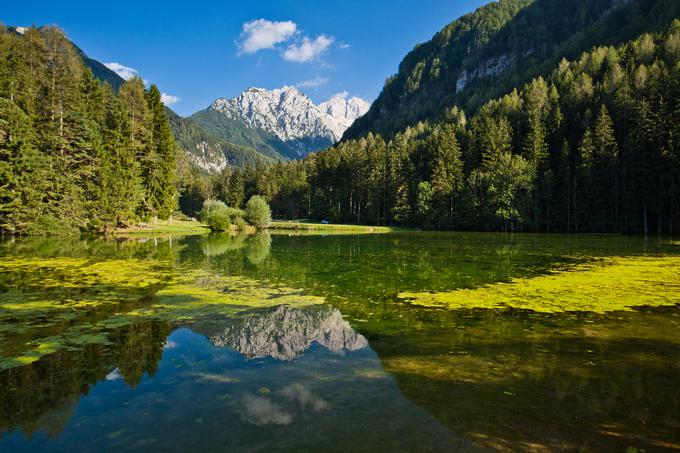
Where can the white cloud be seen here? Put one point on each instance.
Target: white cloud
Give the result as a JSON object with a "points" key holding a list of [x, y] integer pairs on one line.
{"points": [[113, 375], [125, 72], [169, 99], [262, 411], [340, 95], [344, 45], [312, 83], [308, 49], [264, 34]]}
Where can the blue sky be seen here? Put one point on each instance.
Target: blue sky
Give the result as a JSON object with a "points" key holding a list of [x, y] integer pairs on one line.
{"points": [[200, 51]]}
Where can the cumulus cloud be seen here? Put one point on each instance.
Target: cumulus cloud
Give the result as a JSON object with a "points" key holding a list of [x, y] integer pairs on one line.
{"points": [[312, 83], [169, 99], [308, 49], [263, 34], [341, 95], [125, 72], [343, 45], [301, 394], [262, 411], [113, 375]]}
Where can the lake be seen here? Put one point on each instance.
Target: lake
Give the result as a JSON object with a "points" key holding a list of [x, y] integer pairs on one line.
{"points": [[380, 342]]}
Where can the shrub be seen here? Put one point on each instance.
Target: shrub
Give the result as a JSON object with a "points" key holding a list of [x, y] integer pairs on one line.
{"points": [[257, 212], [216, 215], [234, 214], [48, 225], [241, 224]]}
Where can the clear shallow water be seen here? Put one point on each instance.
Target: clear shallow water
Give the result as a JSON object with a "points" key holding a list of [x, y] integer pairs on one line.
{"points": [[344, 364]]}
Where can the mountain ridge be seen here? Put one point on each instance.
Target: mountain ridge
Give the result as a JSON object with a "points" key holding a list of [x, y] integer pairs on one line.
{"points": [[485, 54], [285, 119]]}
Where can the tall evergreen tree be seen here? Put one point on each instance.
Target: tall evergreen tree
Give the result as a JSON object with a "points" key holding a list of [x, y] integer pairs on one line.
{"points": [[161, 192]]}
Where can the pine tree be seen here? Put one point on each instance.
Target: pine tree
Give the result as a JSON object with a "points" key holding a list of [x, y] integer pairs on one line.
{"points": [[120, 190], [161, 192], [605, 170], [447, 170], [22, 173], [133, 98]]}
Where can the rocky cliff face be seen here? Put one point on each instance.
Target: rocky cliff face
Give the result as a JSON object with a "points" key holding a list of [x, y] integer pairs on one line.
{"points": [[284, 333], [343, 111], [290, 116]]}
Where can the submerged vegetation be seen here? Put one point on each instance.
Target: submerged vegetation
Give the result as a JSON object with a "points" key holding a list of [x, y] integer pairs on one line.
{"points": [[65, 302], [112, 312], [611, 284]]}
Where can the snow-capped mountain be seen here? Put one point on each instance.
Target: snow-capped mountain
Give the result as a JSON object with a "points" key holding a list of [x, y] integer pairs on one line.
{"points": [[344, 111], [292, 117]]}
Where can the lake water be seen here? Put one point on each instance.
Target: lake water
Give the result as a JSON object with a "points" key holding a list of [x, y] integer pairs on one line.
{"points": [[340, 343]]}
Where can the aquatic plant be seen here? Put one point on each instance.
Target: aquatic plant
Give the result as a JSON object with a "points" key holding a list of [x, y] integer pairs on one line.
{"points": [[69, 302], [612, 284]]}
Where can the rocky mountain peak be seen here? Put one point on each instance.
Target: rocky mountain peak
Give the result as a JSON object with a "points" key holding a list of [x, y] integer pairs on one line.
{"points": [[292, 116]]}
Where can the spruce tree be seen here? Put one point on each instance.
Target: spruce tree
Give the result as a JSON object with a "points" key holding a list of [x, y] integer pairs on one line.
{"points": [[160, 183], [606, 169]]}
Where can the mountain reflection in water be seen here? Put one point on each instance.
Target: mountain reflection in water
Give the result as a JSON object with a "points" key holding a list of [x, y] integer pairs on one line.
{"points": [[284, 333], [293, 343], [274, 379]]}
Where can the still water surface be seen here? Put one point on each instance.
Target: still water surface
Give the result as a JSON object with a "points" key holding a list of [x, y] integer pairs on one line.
{"points": [[288, 343]]}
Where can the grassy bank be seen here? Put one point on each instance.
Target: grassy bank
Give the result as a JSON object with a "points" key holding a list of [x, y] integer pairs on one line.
{"points": [[185, 227], [301, 225]]}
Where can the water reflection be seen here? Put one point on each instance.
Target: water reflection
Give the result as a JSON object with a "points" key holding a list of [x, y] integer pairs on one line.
{"points": [[159, 343], [283, 332], [200, 393], [42, 396], [256, 246]]}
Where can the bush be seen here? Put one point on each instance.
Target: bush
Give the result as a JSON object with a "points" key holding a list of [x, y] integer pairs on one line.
{"points": [[241, 224], [257, 212], [48, 225], [235, 215], [216, 215]]}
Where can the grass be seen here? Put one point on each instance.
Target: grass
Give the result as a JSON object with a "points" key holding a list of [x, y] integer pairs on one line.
{"points": [[612, 284], [304, 225], [185, 227]]}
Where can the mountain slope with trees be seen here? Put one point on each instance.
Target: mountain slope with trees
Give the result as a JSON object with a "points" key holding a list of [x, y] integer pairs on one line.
{"points": [[500, 46], [591, 148], [209, 153]]}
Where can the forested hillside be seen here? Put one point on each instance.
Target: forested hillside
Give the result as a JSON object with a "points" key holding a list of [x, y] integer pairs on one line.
{"points": [[74, 154], [210, 153], [235, 131], [502, 45], [592, 147]]}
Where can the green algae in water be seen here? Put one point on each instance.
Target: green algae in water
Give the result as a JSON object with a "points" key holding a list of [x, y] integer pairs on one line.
{"points": [[505, 379], [614, 284], [98, 296]]}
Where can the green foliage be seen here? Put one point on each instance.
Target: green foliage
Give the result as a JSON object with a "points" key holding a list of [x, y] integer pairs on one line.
{"points": [[73, 153], [48, 225], [216, 215], [591, 147], [257, 212], [485, 54]]}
